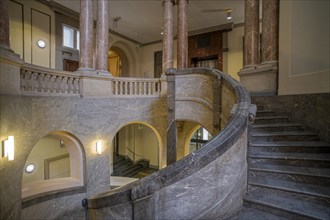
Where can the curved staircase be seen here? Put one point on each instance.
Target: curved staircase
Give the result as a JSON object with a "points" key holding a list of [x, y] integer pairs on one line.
{"points": [[289, 171]]}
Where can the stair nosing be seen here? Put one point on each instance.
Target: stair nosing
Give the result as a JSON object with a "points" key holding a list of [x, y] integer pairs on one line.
{"points": [[279, 208], [288, 172], [289, 190]]}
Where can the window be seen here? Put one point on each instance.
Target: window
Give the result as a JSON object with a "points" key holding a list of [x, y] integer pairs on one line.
{"points": [[70, 37]]}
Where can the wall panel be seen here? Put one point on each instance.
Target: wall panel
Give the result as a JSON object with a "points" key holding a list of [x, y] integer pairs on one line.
{"points": [[16, 27]]}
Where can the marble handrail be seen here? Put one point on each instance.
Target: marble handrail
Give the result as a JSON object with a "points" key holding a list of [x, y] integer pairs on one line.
{"points": [[135, 86], [232, 136], [44, 81]]}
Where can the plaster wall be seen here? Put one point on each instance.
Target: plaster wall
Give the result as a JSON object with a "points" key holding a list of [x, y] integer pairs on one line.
{"points": [[31, 118], [31, 21], [304, 47]]}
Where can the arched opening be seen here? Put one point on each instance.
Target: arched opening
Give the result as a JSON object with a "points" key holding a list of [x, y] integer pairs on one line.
{"points": [[118, 64], [191, 136], [56, 162], [136, 150]]}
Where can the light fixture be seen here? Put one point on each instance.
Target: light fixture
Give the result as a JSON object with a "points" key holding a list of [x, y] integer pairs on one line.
{"points": [[30, 168], [115, 21], [99, 147], [229, 14], [8, 148], [41, 44]]}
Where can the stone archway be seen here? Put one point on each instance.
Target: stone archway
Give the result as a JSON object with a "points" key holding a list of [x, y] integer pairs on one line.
{"points": [[45, 151]]}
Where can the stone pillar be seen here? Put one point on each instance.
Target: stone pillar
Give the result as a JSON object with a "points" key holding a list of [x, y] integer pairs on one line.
{"points": [[86, 35], [270, 25], [171, 122], [251, 33], [260, 79], [168, 34], [182, 34], [102, 34]]}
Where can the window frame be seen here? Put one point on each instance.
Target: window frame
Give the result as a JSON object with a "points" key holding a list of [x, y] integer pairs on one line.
{"points": [[76, 33]]}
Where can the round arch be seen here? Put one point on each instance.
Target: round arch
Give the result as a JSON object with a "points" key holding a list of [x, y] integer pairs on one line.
{"points": [[123, 49], [77, 176], [188, 135], [157, 134]]}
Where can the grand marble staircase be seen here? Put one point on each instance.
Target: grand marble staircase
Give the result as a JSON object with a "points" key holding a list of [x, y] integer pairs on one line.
{"points": [[289, 171]]}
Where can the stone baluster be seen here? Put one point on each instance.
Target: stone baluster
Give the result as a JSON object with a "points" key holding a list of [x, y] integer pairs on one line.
{"points": [[70, 85], [41, 84]]}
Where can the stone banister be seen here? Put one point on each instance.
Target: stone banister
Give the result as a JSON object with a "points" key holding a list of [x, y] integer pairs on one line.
{"points": [[36, 80], [214, 165], [122, 86], [41, 81]]}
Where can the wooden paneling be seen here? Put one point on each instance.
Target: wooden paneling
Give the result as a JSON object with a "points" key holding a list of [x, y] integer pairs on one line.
{"points": [[205, 47]]}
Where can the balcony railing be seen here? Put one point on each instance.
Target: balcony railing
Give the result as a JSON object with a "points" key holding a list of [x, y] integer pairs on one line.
{"points": [[36, 80]]}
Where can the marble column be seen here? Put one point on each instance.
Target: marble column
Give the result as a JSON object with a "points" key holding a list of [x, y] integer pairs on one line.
{"points": [[251, 33], [102, 34], [86, 35], [182, 34], [168, 34], [270, 26]]}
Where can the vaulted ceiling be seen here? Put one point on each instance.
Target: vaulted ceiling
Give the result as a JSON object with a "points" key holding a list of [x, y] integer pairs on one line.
{"points": [[142, 20]]}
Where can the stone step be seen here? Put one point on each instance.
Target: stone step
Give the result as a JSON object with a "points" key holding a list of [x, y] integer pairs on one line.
{"points": [[262, 113], [270, 119], [318, 175], [296, 159], [276, 127], [283, 136], [300, 178], [291, 146], [290, 205], [291, 186], [247, 213]]}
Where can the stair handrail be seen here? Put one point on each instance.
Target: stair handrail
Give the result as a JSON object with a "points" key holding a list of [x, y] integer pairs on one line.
{"points": [[134, 153], [241, 114]]}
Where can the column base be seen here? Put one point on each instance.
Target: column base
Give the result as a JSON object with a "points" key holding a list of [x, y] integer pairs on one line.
{"points": [[260, 80]]}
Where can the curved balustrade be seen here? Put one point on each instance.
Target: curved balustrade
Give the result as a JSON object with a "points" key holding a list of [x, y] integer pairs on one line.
{"points": [[208, 183]]}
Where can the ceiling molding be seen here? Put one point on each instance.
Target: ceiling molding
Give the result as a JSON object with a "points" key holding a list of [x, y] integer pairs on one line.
{"points": [[223, 27]]}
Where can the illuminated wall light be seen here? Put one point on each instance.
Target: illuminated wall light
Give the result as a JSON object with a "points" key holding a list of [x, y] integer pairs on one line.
{"points": [[8, 148], [229, 15], [99, 147]]}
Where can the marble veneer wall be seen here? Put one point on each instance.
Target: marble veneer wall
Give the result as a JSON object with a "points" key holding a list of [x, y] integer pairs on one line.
{"points": [[310, 110], [31, 118], [213, 192]]}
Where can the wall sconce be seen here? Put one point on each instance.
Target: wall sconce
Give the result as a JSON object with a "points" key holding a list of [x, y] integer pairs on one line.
{"points": [[8, 148], [228, 14], [99, 147]]}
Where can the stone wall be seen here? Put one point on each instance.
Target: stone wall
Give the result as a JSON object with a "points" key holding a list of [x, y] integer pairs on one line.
{"points": [[310, 110], [31, 118]]}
